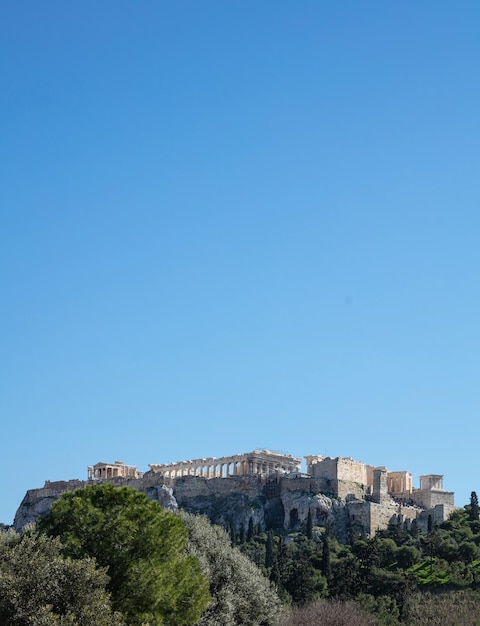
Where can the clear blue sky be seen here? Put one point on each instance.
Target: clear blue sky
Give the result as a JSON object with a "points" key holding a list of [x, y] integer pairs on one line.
{"points": [[236, 225]]}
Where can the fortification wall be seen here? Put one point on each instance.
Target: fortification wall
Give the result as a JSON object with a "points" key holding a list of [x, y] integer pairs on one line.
{"points": [[385, 514], [339, 469], [194, 486], [338, 491], [429, 499], [347, 490], [38, 502], [352, 471]]}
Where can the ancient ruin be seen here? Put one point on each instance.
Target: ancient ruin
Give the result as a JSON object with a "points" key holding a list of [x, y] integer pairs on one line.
{"points": [[112, 470], [341, 494], [258, 462]]}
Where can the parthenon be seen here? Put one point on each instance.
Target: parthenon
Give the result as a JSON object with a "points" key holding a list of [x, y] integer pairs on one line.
{"points": [[262, 462], [272, 487]]}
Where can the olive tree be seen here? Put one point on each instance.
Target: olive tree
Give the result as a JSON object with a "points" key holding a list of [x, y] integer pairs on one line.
{"points": [[241, 594], [39, 586]]}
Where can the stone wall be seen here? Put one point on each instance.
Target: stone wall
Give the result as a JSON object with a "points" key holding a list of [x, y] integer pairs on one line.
{"points": [[428, 499], [390, 513], [38, 502], [339, 469], [277, 499]]}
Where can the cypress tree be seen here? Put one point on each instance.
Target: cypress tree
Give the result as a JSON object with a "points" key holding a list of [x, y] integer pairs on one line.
{"points": [[309, 531], [269, 550], [474, 508], [251, 529], [241, 538], [326, 563], [233, 537]]}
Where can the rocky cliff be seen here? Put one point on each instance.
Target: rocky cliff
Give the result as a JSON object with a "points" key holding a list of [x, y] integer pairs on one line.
{"points": [[280, 502]]}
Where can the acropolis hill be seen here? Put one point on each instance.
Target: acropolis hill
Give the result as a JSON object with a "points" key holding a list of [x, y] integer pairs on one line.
{"points": [[341, 493]]}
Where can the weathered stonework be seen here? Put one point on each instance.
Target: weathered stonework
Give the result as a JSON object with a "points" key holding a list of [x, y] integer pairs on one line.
{"points": [[342, 494], [339, 468], [258, 462], [113, 470]]}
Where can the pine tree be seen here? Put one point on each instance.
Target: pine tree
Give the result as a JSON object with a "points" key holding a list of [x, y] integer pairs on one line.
{"points": [[142, 547], [241, 538]]}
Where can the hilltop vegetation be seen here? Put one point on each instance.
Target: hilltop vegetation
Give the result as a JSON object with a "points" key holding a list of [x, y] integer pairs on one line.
{"points": [[395, 576], [153, 567], [109, 556]]}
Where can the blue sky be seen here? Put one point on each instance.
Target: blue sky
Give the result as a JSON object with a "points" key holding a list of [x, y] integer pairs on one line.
{"points": [[239, 225]]}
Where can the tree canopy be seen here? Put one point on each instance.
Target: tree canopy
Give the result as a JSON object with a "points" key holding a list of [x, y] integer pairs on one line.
{"points": [[142, 547], [241, 594], [38, 585]]}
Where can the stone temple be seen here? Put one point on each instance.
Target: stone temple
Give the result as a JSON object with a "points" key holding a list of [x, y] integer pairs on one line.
{"points": [[256, 463], [340, 493]]}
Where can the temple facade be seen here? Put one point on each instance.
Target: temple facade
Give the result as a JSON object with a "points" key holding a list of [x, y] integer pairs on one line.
{"points": [[119, 469], [372, 498], [258, 462]]}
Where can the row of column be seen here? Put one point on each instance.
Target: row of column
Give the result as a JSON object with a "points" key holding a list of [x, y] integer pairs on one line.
{"points": [[222, 470], [103, 472]]}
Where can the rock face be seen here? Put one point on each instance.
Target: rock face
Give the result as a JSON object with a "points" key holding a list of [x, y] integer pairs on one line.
{"points": [[281, 502], [230, 502], [38, 502]]}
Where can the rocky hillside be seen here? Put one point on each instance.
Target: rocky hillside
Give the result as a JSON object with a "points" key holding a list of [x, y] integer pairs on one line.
{"points": [[274, 503]]}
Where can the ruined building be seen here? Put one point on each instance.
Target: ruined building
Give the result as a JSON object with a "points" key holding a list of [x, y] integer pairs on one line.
{"points": [[342, 494], [258, 462], [112, 470]]}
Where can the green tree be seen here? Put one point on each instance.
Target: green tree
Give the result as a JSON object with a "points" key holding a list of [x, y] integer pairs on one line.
{"points": [[39, 586], [304, 583], [430, 524], [241, 535], [387, 552], [406, 556], [233, 536], [346, 581], [241, 595], [468, 551], [251, 529], [326, 563], [269, 550], [309, 529], [474, 508], [142, 546]]}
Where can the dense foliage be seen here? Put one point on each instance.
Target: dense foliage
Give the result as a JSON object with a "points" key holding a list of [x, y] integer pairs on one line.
{"points": [[142, 547], [38, 585], [390, 575], [241, 595], [111, 556]]}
